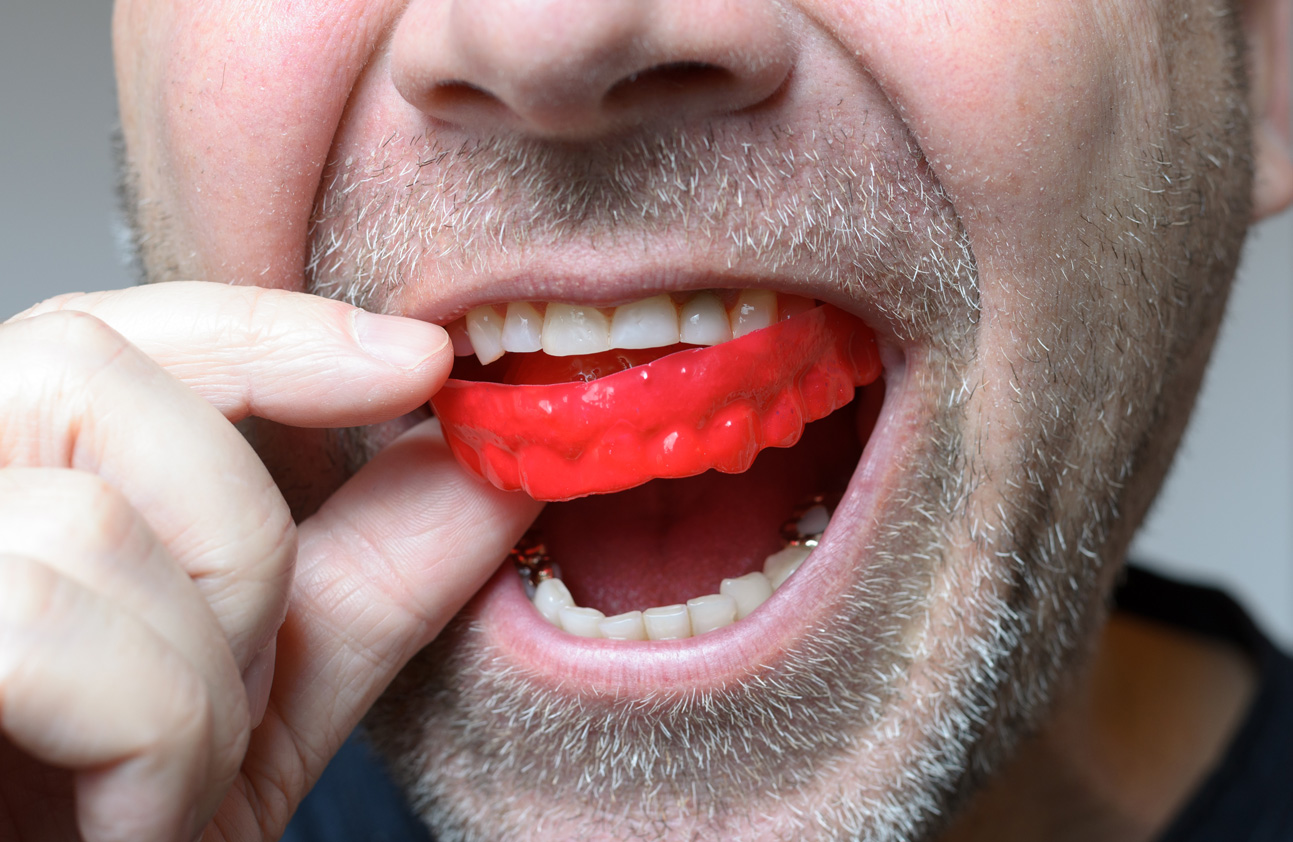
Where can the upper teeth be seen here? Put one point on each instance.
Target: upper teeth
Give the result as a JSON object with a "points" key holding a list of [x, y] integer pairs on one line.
{"points": [[563, 330], [736, 599]]}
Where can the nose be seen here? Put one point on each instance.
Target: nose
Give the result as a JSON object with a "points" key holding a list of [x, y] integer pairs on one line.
{"points": [[576, 69]]}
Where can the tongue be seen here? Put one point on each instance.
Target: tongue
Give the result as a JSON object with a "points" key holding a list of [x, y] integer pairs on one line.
{"points": [[673, 539]]}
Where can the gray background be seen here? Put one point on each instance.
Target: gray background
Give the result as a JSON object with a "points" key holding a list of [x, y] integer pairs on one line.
{"points": [[1226, 514]]}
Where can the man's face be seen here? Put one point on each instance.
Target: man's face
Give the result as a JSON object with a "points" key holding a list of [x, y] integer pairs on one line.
{"points": [[1037, 206]]}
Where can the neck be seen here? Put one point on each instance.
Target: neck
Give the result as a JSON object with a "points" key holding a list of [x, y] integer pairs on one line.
{"points": [[1128, 744]]}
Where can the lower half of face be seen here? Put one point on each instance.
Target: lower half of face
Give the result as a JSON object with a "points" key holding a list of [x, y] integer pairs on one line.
{"points": [[911, 581], [980, 493]]}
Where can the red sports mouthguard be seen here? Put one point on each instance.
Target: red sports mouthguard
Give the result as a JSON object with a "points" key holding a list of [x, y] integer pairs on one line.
{"points": [[677, 416]]}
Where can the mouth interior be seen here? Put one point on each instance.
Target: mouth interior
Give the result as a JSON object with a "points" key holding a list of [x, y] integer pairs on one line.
{"points": [[669, 540]]}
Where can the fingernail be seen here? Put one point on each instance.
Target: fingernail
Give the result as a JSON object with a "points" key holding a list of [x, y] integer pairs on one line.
{"points": [[404, 343]]}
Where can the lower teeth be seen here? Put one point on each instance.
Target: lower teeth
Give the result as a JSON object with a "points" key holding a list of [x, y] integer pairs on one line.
{"points": [[736, 598]]}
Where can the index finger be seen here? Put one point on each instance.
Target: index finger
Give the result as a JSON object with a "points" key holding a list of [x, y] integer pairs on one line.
{"points": [[378, 576], [294, 358]]}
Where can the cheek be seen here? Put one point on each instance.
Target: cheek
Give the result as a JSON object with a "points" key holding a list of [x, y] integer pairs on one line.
{"points": [[1034, 115], [1018, 106], [230, 114]]}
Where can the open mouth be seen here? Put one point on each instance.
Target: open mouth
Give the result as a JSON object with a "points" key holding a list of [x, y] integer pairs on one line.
{"points": [[737, 418]]}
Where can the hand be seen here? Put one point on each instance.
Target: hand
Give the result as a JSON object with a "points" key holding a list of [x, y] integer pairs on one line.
{"points": [[151, 584]]}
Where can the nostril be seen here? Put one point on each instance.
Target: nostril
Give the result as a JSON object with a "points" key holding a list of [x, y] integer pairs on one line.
{"points": [[566, 72], [666, 81], [455, 95]]}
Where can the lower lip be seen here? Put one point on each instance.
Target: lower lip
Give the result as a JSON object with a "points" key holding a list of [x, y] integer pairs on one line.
{"points": [[719, 658]]}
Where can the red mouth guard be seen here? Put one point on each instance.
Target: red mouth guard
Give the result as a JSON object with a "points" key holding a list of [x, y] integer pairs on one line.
{"points": [[677, 416]]}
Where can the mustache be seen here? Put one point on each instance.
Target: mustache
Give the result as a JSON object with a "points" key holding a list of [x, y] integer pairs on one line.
{"points": [[824, 202]]}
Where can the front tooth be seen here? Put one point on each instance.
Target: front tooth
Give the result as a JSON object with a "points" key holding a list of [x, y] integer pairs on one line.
{"points": [[710, 612], [485, 328], [581, 622], [668, 622], [522, 328], [778, 566], [748, 592], [755, 309], [574, 330], [627, 626], [650, 323], [704, 321], [550, 596], [570, 330]]}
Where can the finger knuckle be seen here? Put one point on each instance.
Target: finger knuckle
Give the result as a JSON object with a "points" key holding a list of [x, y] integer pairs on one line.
{"points": [[47, 510], [44, 400], [78, 333], [61, 346]]}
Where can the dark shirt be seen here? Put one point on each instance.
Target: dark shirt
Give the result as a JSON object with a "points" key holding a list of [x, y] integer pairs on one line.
{"points": [[1248, 797]]}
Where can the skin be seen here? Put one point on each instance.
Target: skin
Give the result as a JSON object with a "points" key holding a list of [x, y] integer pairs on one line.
{"points": [[190, 662]]}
